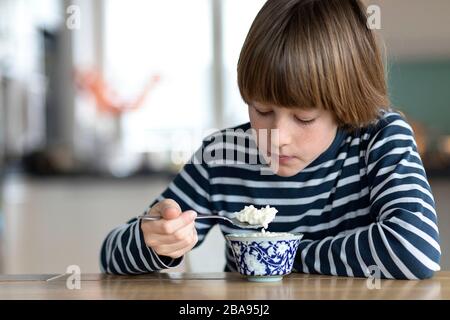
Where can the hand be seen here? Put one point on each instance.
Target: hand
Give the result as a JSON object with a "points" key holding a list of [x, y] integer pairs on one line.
{"points": [[174, 234]]}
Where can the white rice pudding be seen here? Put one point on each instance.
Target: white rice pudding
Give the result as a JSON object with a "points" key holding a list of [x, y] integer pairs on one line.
{"points": [[264, 234], [254, 216]]}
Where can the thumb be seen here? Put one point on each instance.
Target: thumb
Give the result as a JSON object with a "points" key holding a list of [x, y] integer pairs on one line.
{"points": [[170, 212]]}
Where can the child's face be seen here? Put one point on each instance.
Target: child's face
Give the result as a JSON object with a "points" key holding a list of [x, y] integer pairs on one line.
{"points": [[302, 135]]}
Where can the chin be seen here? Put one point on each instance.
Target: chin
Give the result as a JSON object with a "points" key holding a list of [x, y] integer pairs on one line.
{"points": [[287, 171]]}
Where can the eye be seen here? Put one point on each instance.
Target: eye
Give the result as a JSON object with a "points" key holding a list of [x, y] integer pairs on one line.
{"points": [[304, 122], [263, 113]]}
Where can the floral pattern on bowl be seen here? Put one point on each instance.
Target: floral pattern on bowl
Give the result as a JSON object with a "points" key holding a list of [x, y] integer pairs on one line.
{"points": [[264, 257]]}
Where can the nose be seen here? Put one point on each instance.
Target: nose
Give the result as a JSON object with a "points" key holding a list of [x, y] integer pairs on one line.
{"points": [[281, 135]]}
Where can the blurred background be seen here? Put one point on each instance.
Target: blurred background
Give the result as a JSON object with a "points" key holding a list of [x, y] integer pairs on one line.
{"points": [[101, 103]]}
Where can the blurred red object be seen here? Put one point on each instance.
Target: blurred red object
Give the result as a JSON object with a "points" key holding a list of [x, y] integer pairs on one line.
{"points": [[107, 99]]}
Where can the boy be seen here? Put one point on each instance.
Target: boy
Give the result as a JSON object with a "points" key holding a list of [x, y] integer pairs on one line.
{"points": [[345, 167]]}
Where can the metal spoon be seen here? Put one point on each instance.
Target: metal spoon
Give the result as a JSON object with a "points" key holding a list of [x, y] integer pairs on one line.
{"points": [[215, 215]]}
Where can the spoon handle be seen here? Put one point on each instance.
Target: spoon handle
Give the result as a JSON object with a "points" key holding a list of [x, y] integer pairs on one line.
{"points": [[200, 216], [149, 218]]}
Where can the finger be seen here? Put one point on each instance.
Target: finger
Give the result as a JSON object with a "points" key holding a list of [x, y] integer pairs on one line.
{"points": [[177, 236], [185, 250], [180, 252], [167, 208], [168, 227], [188, 241], [170, 209], [170, 212]]}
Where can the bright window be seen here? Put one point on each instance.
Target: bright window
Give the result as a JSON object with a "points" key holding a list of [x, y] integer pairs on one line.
{"points": [[171, 38], [238, 16]]}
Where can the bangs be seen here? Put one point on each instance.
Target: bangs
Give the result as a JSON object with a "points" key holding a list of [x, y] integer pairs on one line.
{"points": [[282, 74], [285, 70]]}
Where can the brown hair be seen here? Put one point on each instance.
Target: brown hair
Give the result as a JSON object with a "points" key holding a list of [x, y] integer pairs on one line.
{"points": [[314, 53]]}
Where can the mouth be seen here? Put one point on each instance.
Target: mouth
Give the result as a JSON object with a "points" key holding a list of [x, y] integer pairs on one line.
{"points": [[281, 157]]}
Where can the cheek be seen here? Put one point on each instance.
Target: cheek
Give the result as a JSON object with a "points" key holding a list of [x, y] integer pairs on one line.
{"points": [[306, 145], [261, 127], [262, 139], [258, 122], [252, 116], [313, 142]]}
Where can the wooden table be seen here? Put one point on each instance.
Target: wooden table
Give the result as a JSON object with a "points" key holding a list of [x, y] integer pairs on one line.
{"points": [[219, 286]]}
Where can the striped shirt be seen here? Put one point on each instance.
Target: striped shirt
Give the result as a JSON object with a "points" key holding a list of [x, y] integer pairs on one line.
{"points": [[364, 203]]}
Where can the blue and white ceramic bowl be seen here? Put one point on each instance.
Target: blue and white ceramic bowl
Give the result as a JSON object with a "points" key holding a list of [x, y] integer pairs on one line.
{"points": [[262, 257]]}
